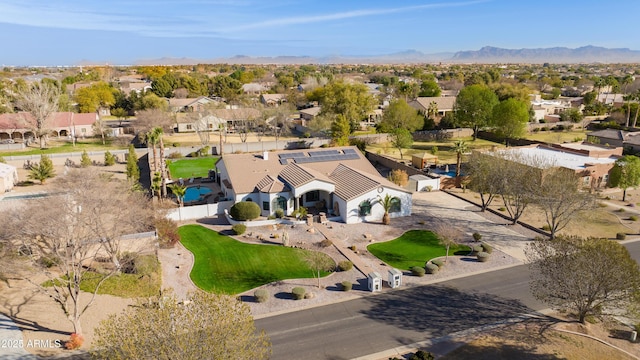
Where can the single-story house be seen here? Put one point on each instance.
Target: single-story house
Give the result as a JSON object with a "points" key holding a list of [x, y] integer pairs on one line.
{"points": [[230, 118], [310, 113], [339, 181], [592, 163], [273, 99], [62, 124], [8, 177], [617, 138], [189, 105], [441, 104]]}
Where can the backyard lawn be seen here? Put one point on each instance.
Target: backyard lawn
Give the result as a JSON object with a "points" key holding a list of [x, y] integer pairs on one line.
{"points": [[195, 167], [413, 248], [225, 265]]}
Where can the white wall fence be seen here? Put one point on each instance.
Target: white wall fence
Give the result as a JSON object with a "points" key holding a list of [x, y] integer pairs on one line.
{"points": [[61, 158], [199, 211]]}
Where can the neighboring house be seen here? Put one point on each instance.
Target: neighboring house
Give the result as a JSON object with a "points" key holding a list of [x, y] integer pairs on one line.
{"points": [[8, 177], [273, 99], [592, 163], [230, 118], [443, 104], [339, 181], [62, 124], [254, 88], [617, 138], [548, 109], [189, 105], [615, 100], [139, 87], [310, 113]]}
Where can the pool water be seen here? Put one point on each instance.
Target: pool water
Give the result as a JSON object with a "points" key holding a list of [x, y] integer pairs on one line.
{"points": [[195, 193]]}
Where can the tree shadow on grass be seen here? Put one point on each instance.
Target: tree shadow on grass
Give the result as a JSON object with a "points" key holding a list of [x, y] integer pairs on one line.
{"points": [[441, 310]]}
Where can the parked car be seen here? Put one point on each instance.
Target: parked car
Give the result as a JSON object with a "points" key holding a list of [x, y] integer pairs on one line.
{"points": [[7, 141]]}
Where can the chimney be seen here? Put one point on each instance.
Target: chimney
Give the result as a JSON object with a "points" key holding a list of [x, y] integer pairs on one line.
{"points": [[265, 155]]}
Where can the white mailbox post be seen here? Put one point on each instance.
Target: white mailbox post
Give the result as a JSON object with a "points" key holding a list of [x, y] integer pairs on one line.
{"points": [[375, 281], [395, 278]]}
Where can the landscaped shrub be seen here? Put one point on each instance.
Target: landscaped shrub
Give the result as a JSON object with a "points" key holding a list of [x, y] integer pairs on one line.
{"points": [[546, 227], [175, 155], [477, 248], [261, 295], [437, 262], [417, 271], [298, 293], [109, 158], [502, 208], [85, 160], [483, 256], [279, 214], [476, 236], [345, 265], [346, 286], [620, 210], [244, 210], [487, 248], [432, 268], [193, 154], [352, 247], [205, 151], [167, 231], [422, 355], [74, 342], [325, 243], [48, 261], [239, 229], [621, 236], [633, 218]]}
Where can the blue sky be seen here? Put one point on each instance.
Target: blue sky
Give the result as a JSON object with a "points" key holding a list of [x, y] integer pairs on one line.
{"points": [[65, 32]]}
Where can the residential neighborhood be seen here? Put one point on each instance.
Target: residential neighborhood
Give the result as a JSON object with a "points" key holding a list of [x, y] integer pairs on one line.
{"points": [[244, 180]]}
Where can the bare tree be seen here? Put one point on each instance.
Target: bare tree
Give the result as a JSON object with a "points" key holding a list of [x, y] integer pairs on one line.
{"points": [[92, 213], [207, 326], [99, 127], [318, 261], [588, 276], [200, 124], [560, 198], [484, 177], [448, 235], [40, 101], [151, 118]]}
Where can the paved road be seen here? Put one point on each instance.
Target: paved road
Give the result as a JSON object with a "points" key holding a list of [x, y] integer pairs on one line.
{"points": [[377, 323]]}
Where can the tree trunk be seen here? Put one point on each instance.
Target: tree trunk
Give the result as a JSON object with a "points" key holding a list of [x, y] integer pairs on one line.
{"points": [[624, 194], [447, 256], [475, 132], [163, 169], [43, 142], [386, 219], [635, 117], [400, 149]]}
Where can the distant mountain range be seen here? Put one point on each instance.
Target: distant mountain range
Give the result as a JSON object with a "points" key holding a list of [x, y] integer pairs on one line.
{"points": [[486, 55]]}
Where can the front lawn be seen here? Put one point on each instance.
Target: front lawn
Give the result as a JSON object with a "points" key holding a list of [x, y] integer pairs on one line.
{"points": [[225, 265], [413, 248], [192, 167]]}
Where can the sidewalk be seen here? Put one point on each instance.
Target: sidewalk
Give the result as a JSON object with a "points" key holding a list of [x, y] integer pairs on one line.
{"points": [[12, 344], [342, 248]]}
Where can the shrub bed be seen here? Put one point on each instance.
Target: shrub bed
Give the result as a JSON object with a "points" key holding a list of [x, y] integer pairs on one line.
{"points": [[345, 265], [483, 256], [418, 271], [621, 236], [298, 293], [261, 295], [239, 229], [432, 268], [437, 262], [346, 286], [487, 248], [478, 248]]}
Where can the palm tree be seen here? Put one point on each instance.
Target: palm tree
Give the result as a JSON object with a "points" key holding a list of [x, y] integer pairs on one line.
{"points": [[625, 82], [635, 117], [152, 139], [387, 202], [179, 191], [460, 147]]}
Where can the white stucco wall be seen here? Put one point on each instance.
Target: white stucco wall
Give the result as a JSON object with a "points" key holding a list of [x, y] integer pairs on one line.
{"points": [[314, 185], [351, 216]]}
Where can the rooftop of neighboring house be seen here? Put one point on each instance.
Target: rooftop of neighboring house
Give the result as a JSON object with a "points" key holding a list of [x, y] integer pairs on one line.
{"points": [[313, 111], [442, 102], [545, 157], [351, 174], [60, 119]]}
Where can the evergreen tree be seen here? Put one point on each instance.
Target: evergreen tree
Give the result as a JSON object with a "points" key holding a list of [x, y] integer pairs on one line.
{"points": [[43, 170], [85, 160], [133, 172]]}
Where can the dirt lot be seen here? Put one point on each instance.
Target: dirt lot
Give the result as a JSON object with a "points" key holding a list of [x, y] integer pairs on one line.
{"points": [[547, 339]]}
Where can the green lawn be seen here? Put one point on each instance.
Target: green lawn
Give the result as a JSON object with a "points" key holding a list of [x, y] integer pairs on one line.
{"points": [[413, 248], [225, 265], [56, 147], [192, 167]]}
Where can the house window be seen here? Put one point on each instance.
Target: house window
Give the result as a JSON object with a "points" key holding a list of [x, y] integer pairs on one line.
{"points": [[396, 205], [586, 180], [313, 195], [365, 208], [265, 205], [189, 127], [605, 178], [210, 126]]}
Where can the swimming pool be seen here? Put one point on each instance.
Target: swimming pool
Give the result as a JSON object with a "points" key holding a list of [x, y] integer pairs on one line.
{"points": [[195, 193]]}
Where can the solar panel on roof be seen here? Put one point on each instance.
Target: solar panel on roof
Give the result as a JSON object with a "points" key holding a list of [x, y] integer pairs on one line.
{"points": [[323, 153], [349, 151], [283, 161], [291, 155], [336, 156]]}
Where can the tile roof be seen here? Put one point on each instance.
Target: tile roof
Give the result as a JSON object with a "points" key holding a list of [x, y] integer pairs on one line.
{"points": [[351, 183], [444, 103], [270, 185], [23, 120], [297, 175]]}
